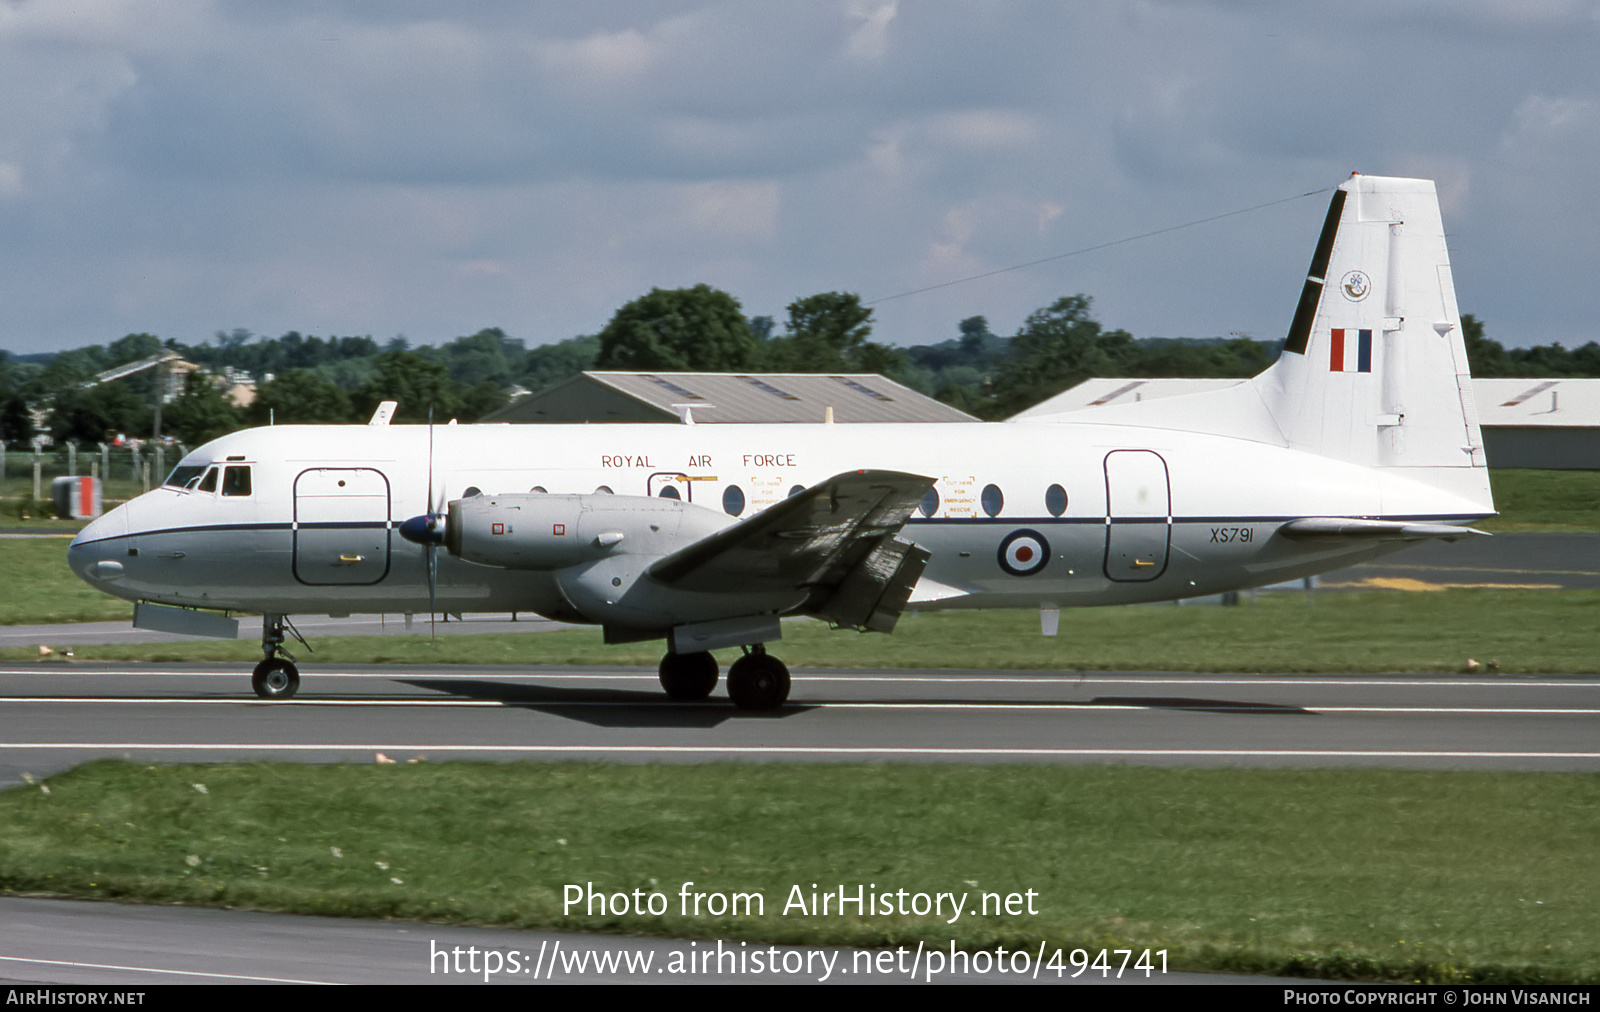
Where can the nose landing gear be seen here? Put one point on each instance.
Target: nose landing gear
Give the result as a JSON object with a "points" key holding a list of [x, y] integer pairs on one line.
{"points": [[276, 677]]}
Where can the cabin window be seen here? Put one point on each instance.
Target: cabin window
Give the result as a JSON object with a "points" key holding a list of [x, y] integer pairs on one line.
{"points": [[470, 491], [182, 475], [604, 490], [209, 482], [539, 489], [930, 503], [669, 492], [236, 481], [796, 490], [1055, 500], [992, 500], [733, 500]]}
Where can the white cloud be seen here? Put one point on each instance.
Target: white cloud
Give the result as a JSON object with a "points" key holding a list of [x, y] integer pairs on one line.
{"points": [[869, 39]]}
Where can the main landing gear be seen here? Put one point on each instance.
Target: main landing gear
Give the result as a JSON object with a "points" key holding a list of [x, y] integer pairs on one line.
{"points": [[276, 677], [756, 681]]}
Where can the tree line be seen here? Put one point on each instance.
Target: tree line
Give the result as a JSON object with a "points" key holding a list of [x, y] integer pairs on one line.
{"points": [[342, 379]]}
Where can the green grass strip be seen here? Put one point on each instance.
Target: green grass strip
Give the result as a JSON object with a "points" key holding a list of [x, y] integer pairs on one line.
{"points": [[1524, 631], [1430, 876]]}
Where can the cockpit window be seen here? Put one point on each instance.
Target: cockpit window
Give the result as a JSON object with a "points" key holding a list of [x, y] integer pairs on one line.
{"points": [[209, 482], [182, 475], [236, 481]]}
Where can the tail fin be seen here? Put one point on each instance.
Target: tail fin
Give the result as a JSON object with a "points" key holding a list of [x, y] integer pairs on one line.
{"points": [[1374, 370]]}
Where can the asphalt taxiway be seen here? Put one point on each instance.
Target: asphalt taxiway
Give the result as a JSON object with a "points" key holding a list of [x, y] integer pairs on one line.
{"points": [[60, 715]]}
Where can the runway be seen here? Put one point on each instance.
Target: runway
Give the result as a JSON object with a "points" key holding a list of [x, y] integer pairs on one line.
{"points": [[58, 717]]}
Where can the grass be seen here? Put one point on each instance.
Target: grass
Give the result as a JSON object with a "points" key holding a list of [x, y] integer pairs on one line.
{"points": [[39, 587], [1524, 631], [1469, 877], [1545, 501]]}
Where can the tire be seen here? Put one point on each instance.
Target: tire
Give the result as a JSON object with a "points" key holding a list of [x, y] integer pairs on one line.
{"points": [[758, 682], [275, 679], [689, 676]]}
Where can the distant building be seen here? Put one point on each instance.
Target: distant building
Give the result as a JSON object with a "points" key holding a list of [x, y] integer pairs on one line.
{"points": [[711, 397], [1526, 423]]}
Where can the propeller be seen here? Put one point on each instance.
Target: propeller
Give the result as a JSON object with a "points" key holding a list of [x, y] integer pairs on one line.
{"points": [[427, 530]]}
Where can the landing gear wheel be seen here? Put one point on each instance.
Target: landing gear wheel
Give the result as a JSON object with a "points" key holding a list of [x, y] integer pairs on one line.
{"points": [[689, 676], [758, 681], [275, 678]]}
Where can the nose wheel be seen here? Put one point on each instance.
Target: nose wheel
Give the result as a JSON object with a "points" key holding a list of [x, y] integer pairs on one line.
{"points": [[276, 678]]}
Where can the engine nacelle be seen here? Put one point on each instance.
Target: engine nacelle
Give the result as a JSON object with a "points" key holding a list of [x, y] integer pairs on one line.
{"points": [[548, 532]]}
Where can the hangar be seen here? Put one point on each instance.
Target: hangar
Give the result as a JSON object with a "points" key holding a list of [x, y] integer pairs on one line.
{"points": [[702, 397], [1551, 423]]}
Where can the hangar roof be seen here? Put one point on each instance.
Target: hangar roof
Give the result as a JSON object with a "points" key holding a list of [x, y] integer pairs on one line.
{"points": [[727, 397]]}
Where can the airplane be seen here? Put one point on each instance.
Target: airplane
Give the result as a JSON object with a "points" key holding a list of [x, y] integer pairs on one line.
{"points": [[1360, 439]]}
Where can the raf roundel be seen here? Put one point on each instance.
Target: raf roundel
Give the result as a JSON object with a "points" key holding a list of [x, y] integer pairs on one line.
{"points": [[1024, 553]]}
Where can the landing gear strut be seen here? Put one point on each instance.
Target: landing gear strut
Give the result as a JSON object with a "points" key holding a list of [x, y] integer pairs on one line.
{"points": [[758, 680], [689, 676], [276, 677]]}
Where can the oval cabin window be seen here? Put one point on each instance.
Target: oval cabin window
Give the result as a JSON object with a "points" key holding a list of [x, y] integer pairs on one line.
{"points": [[733, 500], [992, 500], [1055, 500]]}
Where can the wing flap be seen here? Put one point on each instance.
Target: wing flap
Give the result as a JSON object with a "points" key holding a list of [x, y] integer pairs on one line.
{"points": [[836, 539]]}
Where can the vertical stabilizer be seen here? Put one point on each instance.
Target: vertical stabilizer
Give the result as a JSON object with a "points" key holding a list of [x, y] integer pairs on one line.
{"points": [[1374, 370]]}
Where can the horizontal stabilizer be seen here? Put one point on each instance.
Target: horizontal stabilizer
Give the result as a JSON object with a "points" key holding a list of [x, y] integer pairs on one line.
{"points": [[1346, 528]]}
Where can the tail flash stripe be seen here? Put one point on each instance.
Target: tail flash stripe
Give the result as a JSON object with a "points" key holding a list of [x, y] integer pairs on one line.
{"points": [[1338, 357]]}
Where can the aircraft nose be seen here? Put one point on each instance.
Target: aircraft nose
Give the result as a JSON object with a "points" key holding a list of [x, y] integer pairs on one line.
{"points": [[92, 554]]}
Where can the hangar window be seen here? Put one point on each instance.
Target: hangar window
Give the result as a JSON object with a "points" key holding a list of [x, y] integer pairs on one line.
{"points": [[796, 490], [992, 500], [1055, 500], [669, 492], [930, 503], [209, 482], [236, 481], [603, 490], [733, 500], [181, 476]]}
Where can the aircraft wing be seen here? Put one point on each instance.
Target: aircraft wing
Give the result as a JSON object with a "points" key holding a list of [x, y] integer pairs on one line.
{"points": [[836, 540], [1346, 529]]}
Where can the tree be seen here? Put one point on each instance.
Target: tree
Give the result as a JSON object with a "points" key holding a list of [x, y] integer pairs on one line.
{"points": [[301, 397], [1057, 347], [549, 364], [698, 329], [828, 332], [98, 413], [416, 383], [201, 413]]}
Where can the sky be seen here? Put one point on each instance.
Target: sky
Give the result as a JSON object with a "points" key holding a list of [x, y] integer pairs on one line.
{"points": [[427, 170]]}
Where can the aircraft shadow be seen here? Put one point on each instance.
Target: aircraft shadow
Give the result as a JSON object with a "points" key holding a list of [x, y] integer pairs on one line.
{"points": [[1202, 705], [602, 707]]}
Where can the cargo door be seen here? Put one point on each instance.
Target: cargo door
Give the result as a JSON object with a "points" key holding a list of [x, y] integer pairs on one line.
{"points": [[341, 526], [1138, 515]]}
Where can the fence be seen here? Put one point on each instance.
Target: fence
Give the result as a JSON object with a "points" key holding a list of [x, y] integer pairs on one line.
{"points": [[124, 471]]}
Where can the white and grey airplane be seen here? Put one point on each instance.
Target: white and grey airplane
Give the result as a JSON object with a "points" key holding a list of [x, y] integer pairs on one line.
{"points": [[1361, 438]]}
